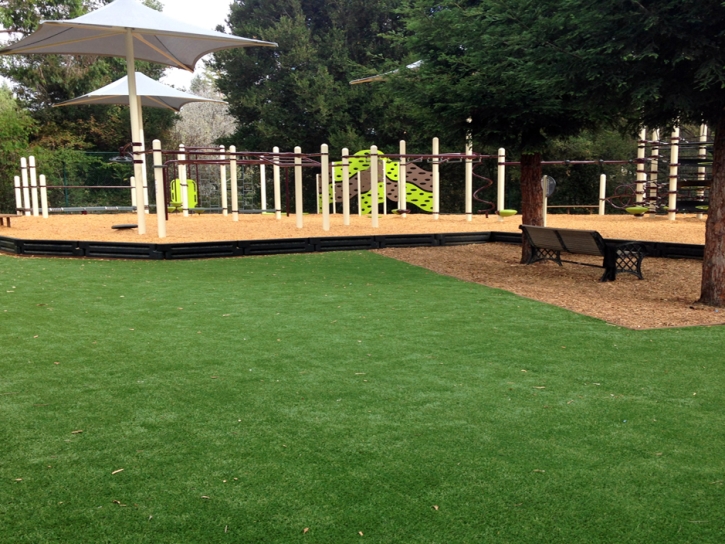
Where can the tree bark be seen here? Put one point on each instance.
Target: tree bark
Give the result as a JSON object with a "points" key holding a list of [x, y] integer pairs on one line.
{"points": [[532, 197], [712, 291]]}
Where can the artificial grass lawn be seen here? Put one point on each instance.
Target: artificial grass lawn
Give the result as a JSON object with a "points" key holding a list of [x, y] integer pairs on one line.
{"points": [[345, 393]]}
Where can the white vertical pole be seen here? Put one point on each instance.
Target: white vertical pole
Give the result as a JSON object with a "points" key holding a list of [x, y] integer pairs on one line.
{"points": [[325, 186], [674, 169], [402, 181], [602, 192], [184, 186], [277, 189], [142, 141], [374, 184], [159, 182], [233, 182], [135, 133], [545, 187], [18, 196], [501, 181], [317, 193], [702, 155], [26, 190], [359, 196], [43, 196], [345, 187], [654, 172], [436, 180], [469, 180], [223, 181], [132, 183], [641, 174], [263, 185], [298, 187], [384, 183], [33, 185]]}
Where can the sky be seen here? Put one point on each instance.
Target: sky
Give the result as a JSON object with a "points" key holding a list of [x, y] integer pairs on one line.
{"points": [[206, 14]]}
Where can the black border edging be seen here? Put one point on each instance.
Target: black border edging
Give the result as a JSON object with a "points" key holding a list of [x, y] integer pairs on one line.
{"points": [[207, 250]]}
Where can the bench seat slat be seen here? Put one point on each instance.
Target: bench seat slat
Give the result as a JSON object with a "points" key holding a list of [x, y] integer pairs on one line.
{"points": [[584, 242]]}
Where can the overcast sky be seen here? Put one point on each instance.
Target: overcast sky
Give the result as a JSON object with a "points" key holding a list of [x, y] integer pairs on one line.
{"points": [[204, 13]]}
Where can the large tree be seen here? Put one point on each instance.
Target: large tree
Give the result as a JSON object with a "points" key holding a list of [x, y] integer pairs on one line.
{"points": [[525, 72], [299, 93]]}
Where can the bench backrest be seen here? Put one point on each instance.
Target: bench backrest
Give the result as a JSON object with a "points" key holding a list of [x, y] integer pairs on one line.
{"points": [[585, 242]]}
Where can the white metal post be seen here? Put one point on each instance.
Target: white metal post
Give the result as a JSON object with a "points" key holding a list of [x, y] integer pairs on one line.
{"points": [[359, 196], [43, 196], [325, 186], [33, 185], [18, 196], [402, 181], [298, 187], [654, 172], [374, 184], [159, 182], [702, 155], [501, 182], [233, 182], [469, 180], [142, 141], [602, 192], [183, 184], [136, 143], [223, 181], [641, 174], [26, 190], [545, 187], [674, 158], [345, 187], [436, 180], [263, 185], [318, 205], [277, 188]]}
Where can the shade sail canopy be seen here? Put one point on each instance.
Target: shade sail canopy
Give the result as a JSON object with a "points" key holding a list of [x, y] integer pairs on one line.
{"points": [[157, 37], [151, 93]]}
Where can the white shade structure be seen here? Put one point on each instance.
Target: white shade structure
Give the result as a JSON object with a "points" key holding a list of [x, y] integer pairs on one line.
{"points": [[151, 94], [127, 28]]}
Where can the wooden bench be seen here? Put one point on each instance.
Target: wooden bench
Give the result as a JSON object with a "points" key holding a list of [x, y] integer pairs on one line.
{"points": [[4, 216], [549, 243]]}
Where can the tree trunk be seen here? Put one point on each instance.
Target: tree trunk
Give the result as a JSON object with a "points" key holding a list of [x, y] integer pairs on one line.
{"points": [[712, 291], [532, 197]]}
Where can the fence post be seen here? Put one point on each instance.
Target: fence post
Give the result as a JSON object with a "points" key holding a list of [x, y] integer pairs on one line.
{"points": [[159, 182], [33, 185], [18, 196], [501, 182], [345, 186], [325, 186], [233, 181], [277, 186], [436, 180], [43, 196], [374, 184], [223, 181], [298, 188], [402, 187], [674, 169]]}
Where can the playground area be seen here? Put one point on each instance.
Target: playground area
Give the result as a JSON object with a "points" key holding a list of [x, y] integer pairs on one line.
{"points": [[665, 298]]}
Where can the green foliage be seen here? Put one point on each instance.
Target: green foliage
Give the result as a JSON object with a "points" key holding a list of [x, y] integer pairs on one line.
{"points": [[16, 128], [299, 94], [44, 80]]}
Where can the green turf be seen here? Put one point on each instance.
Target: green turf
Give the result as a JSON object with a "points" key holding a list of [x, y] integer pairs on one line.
{"points": [[343, 393]]}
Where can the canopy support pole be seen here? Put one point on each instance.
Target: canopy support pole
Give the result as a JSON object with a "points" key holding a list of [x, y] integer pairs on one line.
{"points": [[135, 133]]}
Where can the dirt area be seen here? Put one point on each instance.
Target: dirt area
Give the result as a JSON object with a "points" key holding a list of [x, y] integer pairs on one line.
{"points": [[665, 298]]}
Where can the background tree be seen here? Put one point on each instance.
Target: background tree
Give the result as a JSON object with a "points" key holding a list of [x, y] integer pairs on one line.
{"points": [[16, 128], [299, 93]]}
